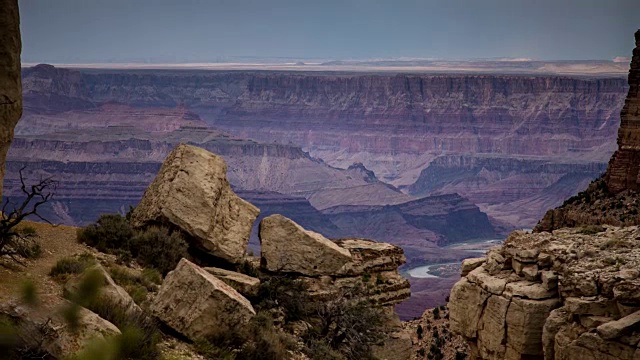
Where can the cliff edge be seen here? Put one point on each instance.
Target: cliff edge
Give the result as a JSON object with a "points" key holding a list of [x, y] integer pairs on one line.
{"points": [[570, 290], [10, 78], [611, 199]]}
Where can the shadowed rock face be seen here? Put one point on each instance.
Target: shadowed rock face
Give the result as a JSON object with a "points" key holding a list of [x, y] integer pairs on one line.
{"points": [[10, 84], [624, 167]]}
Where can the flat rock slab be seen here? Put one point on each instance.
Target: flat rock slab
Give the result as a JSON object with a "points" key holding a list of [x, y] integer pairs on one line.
{"points": [[197, 304], [191, 192], [615, 329], [468, 265], [244, 284], [288, 247], [370, 256]]}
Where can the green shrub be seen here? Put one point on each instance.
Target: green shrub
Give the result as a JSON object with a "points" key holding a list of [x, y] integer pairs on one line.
{"points": [[158, 248], [591, 229], [137, 292], [29, 249], [109, 233], [285, 293], [71, 265], [436, 313], [247, 268], [258, 340], [211, 351], [27, 230], [140, 333], [152, 276], [155, 247]]}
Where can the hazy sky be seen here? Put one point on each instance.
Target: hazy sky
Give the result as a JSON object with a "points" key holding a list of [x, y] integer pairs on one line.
{"points": [[206, 30]]}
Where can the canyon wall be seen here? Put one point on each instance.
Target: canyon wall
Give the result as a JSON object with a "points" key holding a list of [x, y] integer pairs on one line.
{"points": [[395, 125], [105, 155], [10, 77]]}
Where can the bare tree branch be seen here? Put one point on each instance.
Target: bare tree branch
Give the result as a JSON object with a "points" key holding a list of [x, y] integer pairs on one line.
{"points": [[12, 244]]}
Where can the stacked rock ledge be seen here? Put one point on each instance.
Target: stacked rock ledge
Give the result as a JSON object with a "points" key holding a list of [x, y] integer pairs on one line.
{"points": [[564, 295]]}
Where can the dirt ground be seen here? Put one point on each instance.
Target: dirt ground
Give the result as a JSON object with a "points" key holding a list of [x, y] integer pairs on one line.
{"points": [[56, 242]]}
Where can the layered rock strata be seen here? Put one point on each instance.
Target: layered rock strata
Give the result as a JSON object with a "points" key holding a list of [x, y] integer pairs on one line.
{"points": [[567, 295], [10, 77], [332, 268], [624, 167], [191, 192]]}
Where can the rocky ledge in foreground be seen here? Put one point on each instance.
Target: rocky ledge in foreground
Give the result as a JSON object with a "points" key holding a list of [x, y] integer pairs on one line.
{"points": [[570, 294]]}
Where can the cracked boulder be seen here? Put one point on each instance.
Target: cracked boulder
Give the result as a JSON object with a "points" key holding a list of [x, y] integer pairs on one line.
{"points": [[191, 192]]}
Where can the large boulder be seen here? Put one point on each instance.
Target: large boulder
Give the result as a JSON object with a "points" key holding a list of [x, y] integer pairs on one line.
{"points": [[197, 304], [287, 247], [10, 77], [191, 192]]}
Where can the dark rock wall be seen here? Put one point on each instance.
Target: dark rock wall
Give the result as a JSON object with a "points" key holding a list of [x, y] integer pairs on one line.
{"points": [[10, 84]]}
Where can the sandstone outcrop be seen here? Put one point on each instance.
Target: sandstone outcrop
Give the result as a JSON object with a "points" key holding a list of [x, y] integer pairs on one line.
{"points": [[624, 166], [197, 304], [191, 192], [373, 269], [244, 284], [287, 247], [567, 295], [10, 77]]}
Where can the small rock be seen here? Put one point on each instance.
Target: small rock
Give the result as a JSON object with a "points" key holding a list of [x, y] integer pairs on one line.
{"points": [[517, 266], [530, 272], [529, 290], [549, 279], [469, 265], [489, 283]]}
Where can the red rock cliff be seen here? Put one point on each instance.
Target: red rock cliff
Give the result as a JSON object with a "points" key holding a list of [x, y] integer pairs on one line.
{"points": [[624, 166]]}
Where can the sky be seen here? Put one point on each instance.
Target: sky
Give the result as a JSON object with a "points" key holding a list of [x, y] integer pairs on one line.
{"points": [[163, 31]]}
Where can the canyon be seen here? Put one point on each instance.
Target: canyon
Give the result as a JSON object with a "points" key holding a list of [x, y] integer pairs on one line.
{"points": [[417, 160], [481, 133]]}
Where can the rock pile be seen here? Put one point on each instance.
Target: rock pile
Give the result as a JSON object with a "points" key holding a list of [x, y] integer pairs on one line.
{"points": [[570, 294], [191, 194]]}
